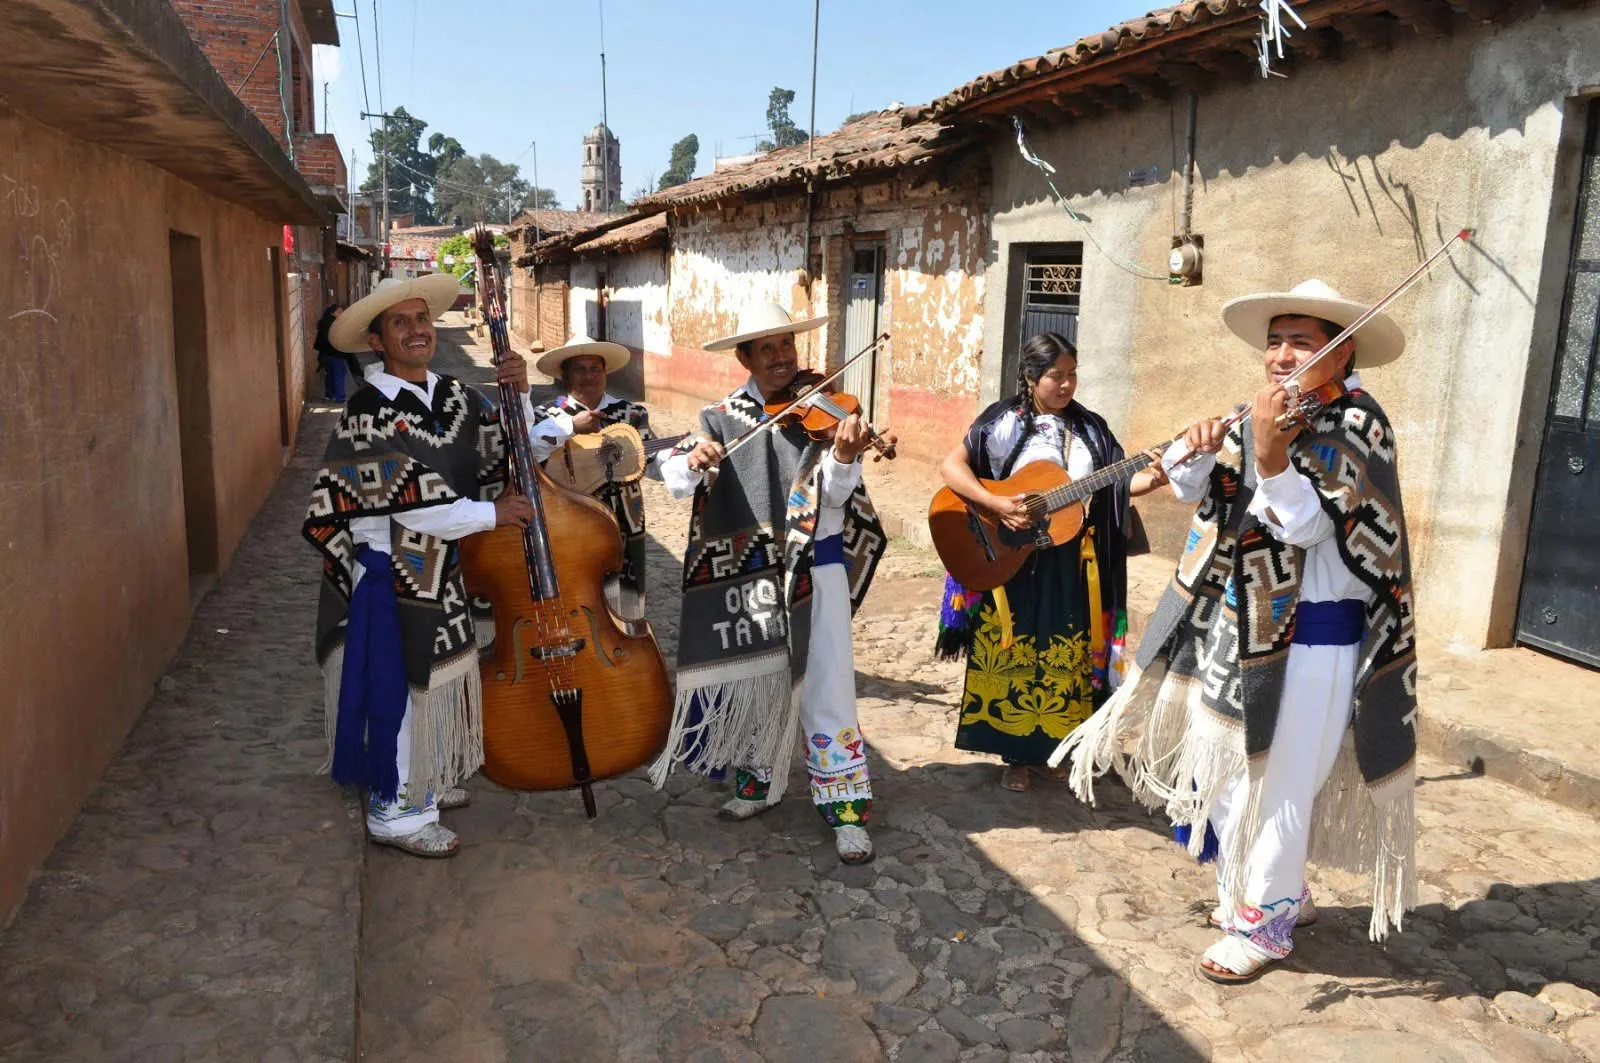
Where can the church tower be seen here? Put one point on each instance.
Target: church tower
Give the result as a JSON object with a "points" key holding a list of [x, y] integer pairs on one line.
{"points": [[601, 187]]}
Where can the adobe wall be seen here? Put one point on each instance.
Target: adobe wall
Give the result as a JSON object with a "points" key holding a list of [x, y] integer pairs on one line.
{"points": [[94, 575]]}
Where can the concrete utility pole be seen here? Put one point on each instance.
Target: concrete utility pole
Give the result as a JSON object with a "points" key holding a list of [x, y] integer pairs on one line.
{"points": [[383, 183]]}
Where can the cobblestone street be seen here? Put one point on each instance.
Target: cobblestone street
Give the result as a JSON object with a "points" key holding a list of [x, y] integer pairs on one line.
{"points": [[204, 906]]}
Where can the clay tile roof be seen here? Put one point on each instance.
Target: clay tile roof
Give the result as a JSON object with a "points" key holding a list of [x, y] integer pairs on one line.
{"points": [[1189, 18], [634, 236], [877, 142], [1217, 34], [557, 221], [560, 246]]}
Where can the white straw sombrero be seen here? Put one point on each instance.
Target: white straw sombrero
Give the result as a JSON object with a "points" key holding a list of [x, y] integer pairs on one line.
{"points": [[765, 319], [615, 354], [349, 331], [1379, 342]]}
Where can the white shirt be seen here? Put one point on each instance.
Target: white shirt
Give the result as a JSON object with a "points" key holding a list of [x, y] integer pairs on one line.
{"points": [[446, 520], [1288, 506], [1044, 443], [836, 480]]}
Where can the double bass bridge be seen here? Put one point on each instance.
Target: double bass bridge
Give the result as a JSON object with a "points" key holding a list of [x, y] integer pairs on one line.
{"points": [[563, 649]]}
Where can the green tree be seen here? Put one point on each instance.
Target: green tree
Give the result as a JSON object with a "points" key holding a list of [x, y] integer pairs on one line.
{"points": [[544, 199], [680, 166], [785, 134], [411, 170], [463, 262], [481, 188], [858, 116]]}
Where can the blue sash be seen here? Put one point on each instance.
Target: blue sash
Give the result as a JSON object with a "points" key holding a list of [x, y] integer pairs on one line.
{"points": [[1341, 623], [372, 689], [829, 551]]}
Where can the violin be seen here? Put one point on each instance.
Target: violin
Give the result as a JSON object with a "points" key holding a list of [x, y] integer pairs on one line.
{"points": [[1306, 404], [822, 411]]}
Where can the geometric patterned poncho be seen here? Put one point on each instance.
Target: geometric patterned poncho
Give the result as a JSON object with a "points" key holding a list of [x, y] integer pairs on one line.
{"points": [[387, 457], [1204, 703], [745, 629], [626, 501]]}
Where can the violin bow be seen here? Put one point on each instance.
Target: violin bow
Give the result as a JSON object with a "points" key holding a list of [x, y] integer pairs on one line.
{"points": [[775, 418], [1241, 415]]}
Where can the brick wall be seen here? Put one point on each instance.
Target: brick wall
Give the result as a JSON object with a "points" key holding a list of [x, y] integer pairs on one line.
{"points": [[233, 34], [319, 160]]}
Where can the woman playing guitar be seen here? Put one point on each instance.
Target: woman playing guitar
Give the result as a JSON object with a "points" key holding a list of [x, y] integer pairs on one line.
{"points": [[1041, 650]]}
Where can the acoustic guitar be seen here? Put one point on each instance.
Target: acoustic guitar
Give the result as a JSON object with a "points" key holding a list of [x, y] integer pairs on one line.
{"points": [[982, 554], [614, 454]]}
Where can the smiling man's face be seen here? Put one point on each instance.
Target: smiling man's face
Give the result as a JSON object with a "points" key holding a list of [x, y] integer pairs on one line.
{"points": [[405, 338]]}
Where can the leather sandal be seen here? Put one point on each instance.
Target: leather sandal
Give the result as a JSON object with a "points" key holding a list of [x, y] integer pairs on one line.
{"points": [[1016, 778], [743, 808], [433, 842], [453, 798], [1237, 963], [854, 844]]}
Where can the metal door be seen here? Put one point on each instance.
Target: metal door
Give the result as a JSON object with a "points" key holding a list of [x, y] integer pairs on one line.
{"points": [[862, 297], [1560, 607], [1052, 278]]}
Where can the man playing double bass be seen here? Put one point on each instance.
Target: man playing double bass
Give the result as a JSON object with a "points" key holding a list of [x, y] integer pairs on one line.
{"points": [[410, 470], [783, 544]]}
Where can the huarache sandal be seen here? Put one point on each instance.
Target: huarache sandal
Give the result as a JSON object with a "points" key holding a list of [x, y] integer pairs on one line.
{"points": [[453, 798], [433, 842], [1015, 778], [853, 843], [1233, 962], [746, 808]]}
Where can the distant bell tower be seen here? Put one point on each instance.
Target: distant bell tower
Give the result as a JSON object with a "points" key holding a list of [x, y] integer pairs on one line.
{"points": [[601, 188]]}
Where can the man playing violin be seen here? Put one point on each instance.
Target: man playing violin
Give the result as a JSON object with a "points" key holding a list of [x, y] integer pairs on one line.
{"points": [[783, 544], [582, 365], [1275, 701], [410, 470]]}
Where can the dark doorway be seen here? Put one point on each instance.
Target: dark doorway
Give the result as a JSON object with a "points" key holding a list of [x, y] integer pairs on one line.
{"points": [[190, 360], [280, 332], [1052, 279], [1560, 607]]}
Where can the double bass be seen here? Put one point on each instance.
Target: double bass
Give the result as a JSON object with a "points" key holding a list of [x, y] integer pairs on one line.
{"points": [[572, 693]]}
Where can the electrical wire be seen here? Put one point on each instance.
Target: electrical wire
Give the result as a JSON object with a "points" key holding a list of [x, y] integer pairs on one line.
{"points": [[1046, 169]]}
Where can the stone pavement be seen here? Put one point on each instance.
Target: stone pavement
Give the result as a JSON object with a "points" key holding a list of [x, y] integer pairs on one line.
{"points": [[993, 926], [205, 903], [1513, 714]]}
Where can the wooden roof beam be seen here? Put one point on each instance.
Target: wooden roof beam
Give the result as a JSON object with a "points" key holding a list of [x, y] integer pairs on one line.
{"points": [[1371, 31], [1427, 17], [1500, 12], [1189, 76], [1148, 86], [1321, 42]]}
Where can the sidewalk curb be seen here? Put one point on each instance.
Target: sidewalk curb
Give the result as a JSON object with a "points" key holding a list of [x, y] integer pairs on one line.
{"points": [[1536, 772]]}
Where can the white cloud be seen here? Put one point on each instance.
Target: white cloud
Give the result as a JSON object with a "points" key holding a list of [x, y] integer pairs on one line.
{"points": [[325, 63]]}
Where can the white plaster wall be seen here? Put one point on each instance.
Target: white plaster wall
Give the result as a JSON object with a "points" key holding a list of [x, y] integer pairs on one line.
{"points": [[1350, 172]]}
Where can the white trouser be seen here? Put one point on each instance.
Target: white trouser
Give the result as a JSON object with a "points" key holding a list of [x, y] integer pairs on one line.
{"points": [[409, 813], [1312, 718], [835, 750]]}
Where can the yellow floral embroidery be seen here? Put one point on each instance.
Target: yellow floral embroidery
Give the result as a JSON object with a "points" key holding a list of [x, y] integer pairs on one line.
{"points": [[1019, 690]]}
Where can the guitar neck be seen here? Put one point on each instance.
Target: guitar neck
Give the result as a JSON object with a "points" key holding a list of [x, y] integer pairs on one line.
{"points": [[1115, 473], [652, 447]]}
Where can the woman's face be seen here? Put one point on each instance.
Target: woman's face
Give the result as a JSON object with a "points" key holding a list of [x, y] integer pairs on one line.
{"points": [[1053, 391]]}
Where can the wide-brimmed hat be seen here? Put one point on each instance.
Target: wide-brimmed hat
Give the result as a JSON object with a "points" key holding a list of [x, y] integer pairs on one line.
{"points": [[765, 319], [349, 331], [1379, 342], [615, 354]]}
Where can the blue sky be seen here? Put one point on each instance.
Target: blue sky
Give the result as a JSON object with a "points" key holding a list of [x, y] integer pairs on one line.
{"points": [[499, 75]]}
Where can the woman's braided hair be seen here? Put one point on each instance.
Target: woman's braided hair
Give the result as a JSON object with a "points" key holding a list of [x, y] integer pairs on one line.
{"points": [[1037, 356]]}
